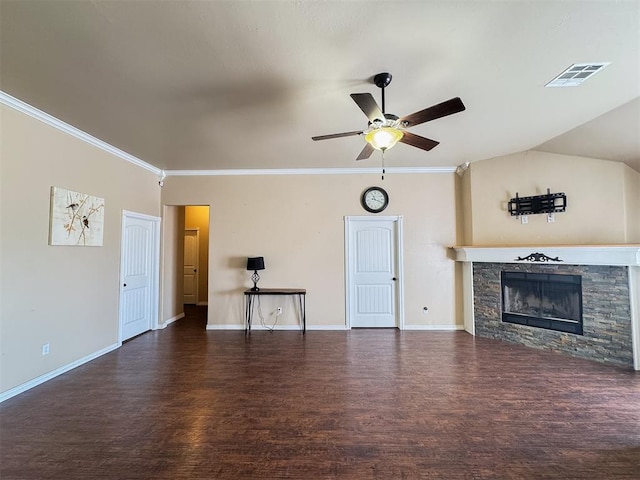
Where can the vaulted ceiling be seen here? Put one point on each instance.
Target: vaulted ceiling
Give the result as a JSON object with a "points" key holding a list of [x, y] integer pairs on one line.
{"points": [[245, 84]]}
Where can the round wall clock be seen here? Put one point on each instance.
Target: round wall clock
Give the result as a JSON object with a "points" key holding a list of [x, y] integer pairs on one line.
{"points": [[374, 199]]}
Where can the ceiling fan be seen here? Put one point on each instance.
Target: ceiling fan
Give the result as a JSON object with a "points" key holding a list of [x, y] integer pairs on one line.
{"points": [[385, 129]]}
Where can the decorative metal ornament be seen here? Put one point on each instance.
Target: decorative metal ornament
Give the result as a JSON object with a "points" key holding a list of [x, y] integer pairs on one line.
{"points": [[538, 257]]}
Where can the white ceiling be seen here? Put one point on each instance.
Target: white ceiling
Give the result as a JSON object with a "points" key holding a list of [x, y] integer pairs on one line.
{"points": [[240, 84]]}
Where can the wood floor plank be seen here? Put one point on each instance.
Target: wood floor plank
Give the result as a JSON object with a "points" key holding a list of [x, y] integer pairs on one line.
{"points": [[185, 403]]}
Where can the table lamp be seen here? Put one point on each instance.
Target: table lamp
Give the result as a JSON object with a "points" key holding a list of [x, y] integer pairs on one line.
{"points": [[255, 264]]}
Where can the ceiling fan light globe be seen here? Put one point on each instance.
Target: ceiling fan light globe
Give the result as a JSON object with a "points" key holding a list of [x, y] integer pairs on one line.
{"points": [[383, 138]]}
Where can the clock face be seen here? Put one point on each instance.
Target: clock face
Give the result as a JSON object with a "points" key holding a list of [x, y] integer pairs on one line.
{"points": [[375, 199]]}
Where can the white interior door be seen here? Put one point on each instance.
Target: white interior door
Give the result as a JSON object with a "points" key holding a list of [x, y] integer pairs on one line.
{"points": [[372, 272], [191, 246], [139, 274]]}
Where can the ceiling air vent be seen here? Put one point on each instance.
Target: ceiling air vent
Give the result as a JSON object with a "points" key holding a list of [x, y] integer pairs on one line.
{"points": [[576, 74]]}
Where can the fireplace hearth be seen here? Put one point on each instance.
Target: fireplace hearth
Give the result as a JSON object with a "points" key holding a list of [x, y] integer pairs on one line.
{"points": [[542, 300]]}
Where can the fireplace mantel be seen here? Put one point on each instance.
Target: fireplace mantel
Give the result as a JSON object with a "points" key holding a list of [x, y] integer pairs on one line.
{"points": [[615, 255]]}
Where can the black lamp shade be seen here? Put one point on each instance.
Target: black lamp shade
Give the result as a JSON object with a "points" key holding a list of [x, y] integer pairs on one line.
{"points": [[255, 263]]}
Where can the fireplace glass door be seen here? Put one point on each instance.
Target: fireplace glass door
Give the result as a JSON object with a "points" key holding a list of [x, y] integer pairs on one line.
{"points": [[543, 300]]}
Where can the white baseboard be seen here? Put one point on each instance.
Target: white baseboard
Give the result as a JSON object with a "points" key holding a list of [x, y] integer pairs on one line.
{"points": [[437, 328], [253, 327], [170, 321], [58, 371], [440, 328], [327, 327], [277, 327], [227, 326]]}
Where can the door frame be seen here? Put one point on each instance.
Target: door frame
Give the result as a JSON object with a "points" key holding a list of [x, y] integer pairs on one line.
{"points": [[197, 285], [349, 264], [155, 268]]}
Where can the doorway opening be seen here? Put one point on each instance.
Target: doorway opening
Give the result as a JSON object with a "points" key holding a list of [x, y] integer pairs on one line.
{"points": [[185, 254], [196, 255]]}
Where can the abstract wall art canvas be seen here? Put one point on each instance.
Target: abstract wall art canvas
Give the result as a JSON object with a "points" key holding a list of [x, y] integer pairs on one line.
{"points": [[76, 218]]}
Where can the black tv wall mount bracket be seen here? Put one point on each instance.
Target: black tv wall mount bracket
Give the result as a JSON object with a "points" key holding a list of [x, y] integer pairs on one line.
{"points": [[548, 203]]}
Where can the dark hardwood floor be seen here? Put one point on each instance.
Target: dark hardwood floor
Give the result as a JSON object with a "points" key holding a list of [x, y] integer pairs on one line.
{"points": [[184, 403]]}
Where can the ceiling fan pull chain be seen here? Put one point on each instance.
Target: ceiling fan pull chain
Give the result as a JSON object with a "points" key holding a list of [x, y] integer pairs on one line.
{"points": [[383, 164]]}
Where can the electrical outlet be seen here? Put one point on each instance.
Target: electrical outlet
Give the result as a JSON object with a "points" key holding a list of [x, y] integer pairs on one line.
{"points": [[45, 349], [524, 219], [279, 311]]}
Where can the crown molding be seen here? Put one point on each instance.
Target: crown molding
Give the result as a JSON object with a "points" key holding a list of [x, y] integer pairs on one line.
{"points": [[306, 171], [52, 121]]}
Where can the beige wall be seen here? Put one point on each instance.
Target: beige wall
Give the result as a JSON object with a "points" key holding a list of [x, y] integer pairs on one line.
{"points": [[297, 223], [465, 211], [172, 263], [197, 216], [595, 192], [65, 296], [632, 207]]}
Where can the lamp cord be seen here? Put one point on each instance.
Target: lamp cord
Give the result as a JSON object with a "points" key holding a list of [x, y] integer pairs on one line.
{"points": [[262, 321]]}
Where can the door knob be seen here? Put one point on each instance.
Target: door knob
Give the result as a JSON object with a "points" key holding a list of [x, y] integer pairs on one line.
{"points": [[394, 279], [125, 285], [195, 270]]}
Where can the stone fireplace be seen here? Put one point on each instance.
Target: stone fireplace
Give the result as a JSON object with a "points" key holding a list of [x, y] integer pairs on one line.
{"points": [[582, 301]]}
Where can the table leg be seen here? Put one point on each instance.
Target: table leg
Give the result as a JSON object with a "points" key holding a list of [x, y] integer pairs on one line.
{"points": [[248, 313], [302, 301]]}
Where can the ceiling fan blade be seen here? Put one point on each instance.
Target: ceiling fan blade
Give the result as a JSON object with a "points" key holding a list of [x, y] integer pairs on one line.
{"points": [[368, 105], [337, 135], [443, 109], [366, 152], [418, 141]]}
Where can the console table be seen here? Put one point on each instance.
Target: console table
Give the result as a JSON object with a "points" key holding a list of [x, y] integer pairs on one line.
{"points": [[250, 297]]}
